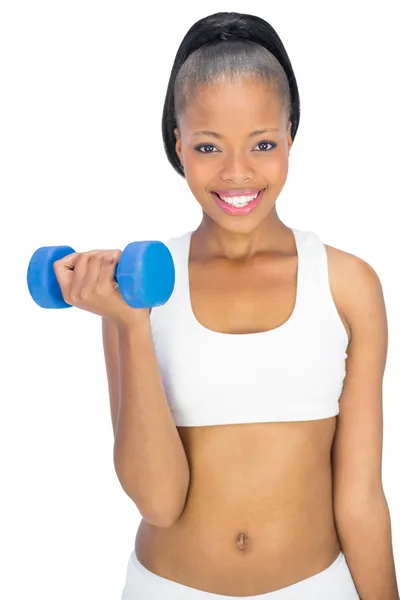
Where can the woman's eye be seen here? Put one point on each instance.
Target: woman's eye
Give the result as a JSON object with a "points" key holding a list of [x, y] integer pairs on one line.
{"points": [[204, 146], [264, 143]]}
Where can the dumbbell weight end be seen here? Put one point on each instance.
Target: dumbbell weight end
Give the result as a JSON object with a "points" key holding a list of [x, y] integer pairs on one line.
{"points": [[41, 278]]}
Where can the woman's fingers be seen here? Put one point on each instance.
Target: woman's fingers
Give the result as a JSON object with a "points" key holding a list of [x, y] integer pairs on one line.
{"points": [[84, 275], [64, 271], [106, 278]]}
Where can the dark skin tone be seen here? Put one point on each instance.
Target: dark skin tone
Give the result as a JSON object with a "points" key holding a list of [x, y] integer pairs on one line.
{"points": [[249, 524], [235, 160]]}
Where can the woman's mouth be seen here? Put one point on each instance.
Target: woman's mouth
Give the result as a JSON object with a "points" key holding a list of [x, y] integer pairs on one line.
{"points": [[238, 205]]}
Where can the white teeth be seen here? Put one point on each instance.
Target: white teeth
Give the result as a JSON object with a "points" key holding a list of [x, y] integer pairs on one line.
{"points": [[239, 200]]}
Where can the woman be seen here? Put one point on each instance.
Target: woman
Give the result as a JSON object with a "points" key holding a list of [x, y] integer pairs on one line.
{"points": [[247, 410]]}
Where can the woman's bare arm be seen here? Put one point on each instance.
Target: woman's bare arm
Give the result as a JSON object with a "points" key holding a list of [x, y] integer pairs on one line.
{"points": [[110, 347], [149, 458]]}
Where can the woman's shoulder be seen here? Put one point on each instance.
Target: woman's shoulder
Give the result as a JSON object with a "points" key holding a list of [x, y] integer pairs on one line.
{"points": [[353, 282]]}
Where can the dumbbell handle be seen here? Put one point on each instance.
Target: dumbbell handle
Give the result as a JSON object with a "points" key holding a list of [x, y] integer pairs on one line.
{"points": [[145, 275]]}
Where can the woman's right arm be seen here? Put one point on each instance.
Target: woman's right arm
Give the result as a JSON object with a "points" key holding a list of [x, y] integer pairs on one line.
{"points": [[149, 457]]}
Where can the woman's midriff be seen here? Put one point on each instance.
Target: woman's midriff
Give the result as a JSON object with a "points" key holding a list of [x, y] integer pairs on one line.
{"points": [[258, 515]]}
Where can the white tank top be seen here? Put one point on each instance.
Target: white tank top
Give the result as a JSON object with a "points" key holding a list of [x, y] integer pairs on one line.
{"points": [[294, 372]]}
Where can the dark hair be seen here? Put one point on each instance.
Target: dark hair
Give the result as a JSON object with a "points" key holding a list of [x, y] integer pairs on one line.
{"points": [[225, 46]]}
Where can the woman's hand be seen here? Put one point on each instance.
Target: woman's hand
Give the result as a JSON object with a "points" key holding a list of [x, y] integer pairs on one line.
{"points": [[87, 281]]}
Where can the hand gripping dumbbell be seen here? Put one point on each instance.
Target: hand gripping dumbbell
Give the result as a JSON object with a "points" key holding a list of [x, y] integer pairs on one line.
{"points": [[145, 275]]}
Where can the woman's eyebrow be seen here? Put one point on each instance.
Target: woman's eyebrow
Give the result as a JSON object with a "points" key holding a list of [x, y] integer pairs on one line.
{"points": [[252, 134]]}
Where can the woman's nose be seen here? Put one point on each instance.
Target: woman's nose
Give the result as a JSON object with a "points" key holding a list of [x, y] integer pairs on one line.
{"points": [[236, 168]]}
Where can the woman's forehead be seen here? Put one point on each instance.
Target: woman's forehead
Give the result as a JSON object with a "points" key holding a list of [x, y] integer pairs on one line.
{"points": [[210, 109]]}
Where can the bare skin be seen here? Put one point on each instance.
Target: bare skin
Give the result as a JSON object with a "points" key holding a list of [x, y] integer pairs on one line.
{"points": [[258, 515]]}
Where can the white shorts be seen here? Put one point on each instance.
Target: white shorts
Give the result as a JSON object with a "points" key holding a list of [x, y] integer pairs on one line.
{"points": [[333, 583]]}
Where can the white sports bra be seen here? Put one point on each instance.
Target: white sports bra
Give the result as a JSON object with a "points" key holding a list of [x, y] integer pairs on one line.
{"points": [[294, 372]]}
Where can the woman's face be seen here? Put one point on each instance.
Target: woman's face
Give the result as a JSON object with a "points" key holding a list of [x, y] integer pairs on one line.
{"points": [[235, 160]]}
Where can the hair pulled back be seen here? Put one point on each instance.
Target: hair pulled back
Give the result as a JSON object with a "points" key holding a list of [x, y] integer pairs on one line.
{"points": [[224, 47]]}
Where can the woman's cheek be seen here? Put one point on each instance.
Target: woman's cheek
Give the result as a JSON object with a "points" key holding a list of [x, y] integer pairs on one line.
{"points": [[199, 168]]}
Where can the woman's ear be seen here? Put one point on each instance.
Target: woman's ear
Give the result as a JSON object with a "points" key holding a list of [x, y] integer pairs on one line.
{"points": [[289, 135], [178, 144]]}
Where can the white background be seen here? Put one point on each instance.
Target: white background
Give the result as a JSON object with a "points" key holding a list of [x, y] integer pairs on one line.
{"points": [[82, 164]]}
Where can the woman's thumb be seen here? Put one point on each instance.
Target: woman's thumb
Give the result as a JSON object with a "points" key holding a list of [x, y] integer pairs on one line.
{"points": [[64, 266]]}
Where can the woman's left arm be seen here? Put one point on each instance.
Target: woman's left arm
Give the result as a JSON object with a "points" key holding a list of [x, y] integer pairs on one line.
{"points": [[360, 508]]}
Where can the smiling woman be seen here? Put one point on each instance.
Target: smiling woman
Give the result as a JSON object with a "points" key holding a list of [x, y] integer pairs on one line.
{"points": [[229, 400], [212, 93]]}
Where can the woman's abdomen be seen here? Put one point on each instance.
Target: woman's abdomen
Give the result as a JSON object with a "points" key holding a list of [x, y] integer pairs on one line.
{"points": [[260, 513]]}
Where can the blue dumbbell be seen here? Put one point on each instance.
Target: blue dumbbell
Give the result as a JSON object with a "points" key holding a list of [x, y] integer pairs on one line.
{"points": [[145, 275]]}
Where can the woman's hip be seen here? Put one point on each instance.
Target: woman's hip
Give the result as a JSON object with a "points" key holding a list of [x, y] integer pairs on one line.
{"points": [[330, 584]]}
